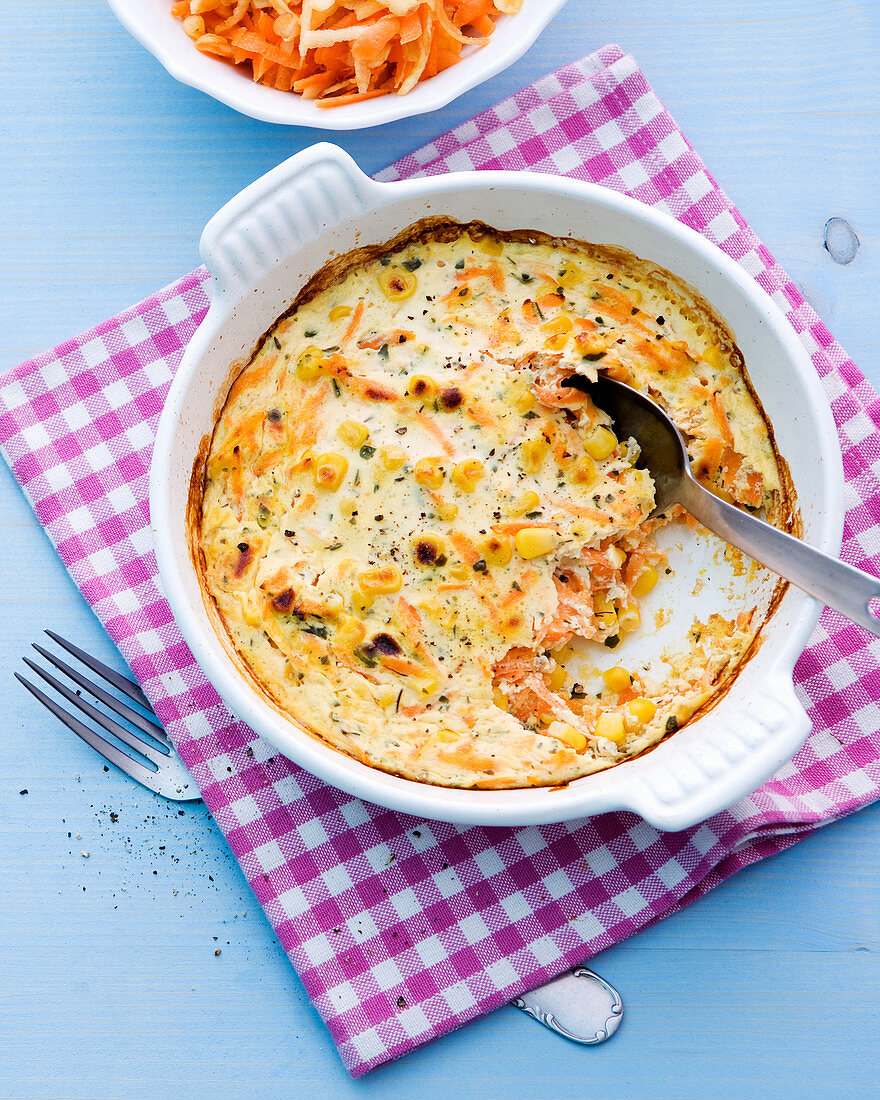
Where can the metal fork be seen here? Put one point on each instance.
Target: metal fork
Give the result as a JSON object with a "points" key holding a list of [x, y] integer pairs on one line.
{"points": [[153, 761]]}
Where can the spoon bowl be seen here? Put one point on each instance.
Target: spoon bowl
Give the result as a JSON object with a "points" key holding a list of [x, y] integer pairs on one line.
{"points": [[664, 454]]}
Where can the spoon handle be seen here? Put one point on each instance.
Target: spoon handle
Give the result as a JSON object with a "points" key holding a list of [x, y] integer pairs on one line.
{"points": [[843, 587]]}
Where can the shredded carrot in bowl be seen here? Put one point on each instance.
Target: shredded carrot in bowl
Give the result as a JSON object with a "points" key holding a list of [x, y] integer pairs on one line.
{"points": [[341, 52]]}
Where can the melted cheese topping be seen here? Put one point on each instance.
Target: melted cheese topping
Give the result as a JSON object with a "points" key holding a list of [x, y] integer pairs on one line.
{"points": [[409, 512]]}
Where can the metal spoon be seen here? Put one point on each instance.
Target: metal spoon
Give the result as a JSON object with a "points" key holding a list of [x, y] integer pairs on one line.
{"points": [[846, 589]]}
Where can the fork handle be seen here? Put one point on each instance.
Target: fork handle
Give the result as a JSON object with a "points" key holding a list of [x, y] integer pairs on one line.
{"points": [[836, 584]]}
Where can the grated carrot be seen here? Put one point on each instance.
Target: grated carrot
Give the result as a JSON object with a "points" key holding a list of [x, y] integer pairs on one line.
{"points": [[349, 51]]}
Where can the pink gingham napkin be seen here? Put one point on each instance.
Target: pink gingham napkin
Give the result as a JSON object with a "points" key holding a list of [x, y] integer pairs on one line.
{"points": [[403, 929]]}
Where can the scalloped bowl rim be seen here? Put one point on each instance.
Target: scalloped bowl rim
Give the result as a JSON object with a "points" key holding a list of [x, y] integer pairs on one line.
{"points": [[233, 87]]}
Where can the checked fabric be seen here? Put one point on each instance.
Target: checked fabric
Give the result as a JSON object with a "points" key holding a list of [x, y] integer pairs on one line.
{"points": [[402, 929]]}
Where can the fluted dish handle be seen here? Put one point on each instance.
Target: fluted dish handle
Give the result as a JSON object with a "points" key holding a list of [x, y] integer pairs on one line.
{"points": [[293, 204]]}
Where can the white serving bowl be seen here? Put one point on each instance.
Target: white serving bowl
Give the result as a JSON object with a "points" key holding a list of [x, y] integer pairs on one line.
{"points": [[267, 242], [157, 30]]}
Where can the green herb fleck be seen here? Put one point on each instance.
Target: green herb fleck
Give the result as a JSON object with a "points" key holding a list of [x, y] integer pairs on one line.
{"points": [[367, 451], [365, 658]]}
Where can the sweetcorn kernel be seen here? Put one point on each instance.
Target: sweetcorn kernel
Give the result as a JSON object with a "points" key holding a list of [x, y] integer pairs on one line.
{"points": [[353, 432], [713, 356], [556, 343], [571, 275], [525, 402], [568, 735], [350, 633], [718, 491], [556, 679], [583, 472], [533, 452], [645, 581], [428, 687], [308, 366], [253, 615], [535, 542], [338, 312], [392, 457], [429, 472], [362, 601], [592, 344], [385, 694], [381, 579], [347, 507], [603, 606], [562, 323], [629, 619], [528, 502], [611, 726], [427, 550], [330, 469], [643, 710], [496, 549], [397, 284], [616, 556], [466, 474], [600, 443], [490, 246], [422, 388], [446, 510], [617, 678]]}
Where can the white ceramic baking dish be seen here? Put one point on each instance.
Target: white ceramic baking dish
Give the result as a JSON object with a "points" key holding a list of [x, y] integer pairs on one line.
{"points": [[157, 30], [266, 243]]}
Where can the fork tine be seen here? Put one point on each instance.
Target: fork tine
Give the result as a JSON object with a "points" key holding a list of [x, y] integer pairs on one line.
{"points": [[110, 752], [126, 686], [155, 756], [116, 705]]}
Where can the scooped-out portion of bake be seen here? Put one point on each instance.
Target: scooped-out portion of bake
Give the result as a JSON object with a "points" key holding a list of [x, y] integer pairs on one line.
{"points": [[413, 516]]}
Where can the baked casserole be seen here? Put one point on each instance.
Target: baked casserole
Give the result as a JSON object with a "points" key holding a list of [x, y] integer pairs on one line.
{"points": [[416, 526]]}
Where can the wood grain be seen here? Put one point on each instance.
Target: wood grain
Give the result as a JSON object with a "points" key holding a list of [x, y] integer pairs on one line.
{"points": [[109, 984]]}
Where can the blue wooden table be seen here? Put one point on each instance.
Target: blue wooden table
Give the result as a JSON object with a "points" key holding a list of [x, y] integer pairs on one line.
{"points": [[133, 959]]}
